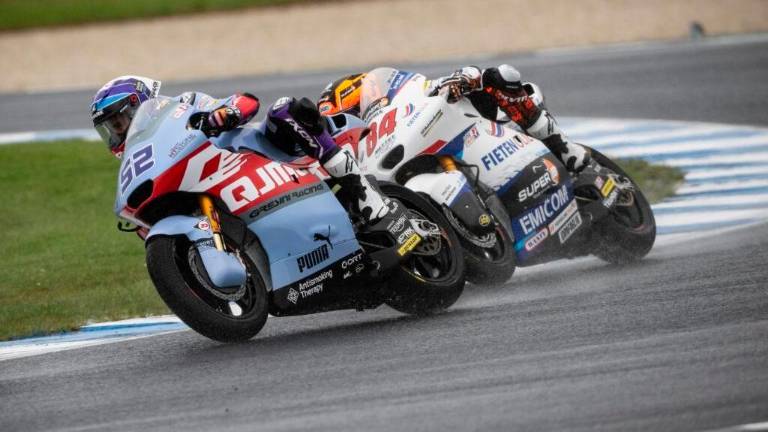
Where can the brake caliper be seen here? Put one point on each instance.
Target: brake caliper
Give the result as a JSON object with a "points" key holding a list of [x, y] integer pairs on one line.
{"points": [[430, 237]]}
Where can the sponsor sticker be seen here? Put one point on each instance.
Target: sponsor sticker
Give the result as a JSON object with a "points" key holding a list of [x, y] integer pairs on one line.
{"points": [[180, 110], [608, 202], [599, 182], [397, 225], [536, 240], [541, 184], [312, 259], [471, 136], [570, 227], [351, 261], [181, 145], [404, 235], [409, 244], [293, 296], [540, 214], [415, 116], [503, 151], [160, 105], [563, 217], [317, 289], [432, 122], [280, 200], [309, 283], [203, 225], [607, 187], [554, 174]]}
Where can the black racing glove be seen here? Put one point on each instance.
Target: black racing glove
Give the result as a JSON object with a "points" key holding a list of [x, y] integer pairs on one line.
{"points": [[223, 119]]}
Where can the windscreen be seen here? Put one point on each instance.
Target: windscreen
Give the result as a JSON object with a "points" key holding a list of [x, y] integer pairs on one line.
{"points": [[147, 118], [377, 89]]}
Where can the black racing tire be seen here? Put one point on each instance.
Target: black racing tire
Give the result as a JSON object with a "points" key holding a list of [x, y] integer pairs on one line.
{"points": [[496, 265], [627, 234], [414, 291], [170, 270]]}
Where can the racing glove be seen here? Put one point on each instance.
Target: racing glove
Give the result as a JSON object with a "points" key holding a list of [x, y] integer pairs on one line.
{"points": [[224, 118], [463, 81]]}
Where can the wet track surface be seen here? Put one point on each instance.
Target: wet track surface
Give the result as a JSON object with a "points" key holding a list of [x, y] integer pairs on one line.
{"points": [[676, 342]]}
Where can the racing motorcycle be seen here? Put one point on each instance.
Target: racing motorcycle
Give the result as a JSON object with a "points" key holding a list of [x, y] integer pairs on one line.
{"points": [[511, 201], [233, 236]]}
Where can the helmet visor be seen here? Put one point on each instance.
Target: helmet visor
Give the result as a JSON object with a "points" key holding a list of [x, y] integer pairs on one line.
{"points": [[112, 123]]}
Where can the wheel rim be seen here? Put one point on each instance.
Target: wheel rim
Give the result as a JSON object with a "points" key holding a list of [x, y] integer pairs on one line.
{"points": [[632, 216], [493, 253], [239, 308], [430, 267]]}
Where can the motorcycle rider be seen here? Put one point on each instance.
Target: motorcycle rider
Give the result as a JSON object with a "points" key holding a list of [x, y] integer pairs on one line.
{"points": [[490, 91], [289, 123]]}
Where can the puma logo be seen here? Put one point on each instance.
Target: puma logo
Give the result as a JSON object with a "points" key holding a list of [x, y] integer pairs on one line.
{"points": [[324, 237]]}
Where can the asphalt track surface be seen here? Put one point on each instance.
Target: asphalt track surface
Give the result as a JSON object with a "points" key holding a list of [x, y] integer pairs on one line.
{"points": [[716, 81], [675, 342]]}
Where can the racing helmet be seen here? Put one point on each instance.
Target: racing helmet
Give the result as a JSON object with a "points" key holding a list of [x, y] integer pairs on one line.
{"points": [[341, 96], [114, 106]]}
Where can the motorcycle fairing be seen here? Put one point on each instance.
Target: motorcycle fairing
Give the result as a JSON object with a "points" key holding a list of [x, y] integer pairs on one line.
{"points": [[547, 225], [274, 199], [336, 286], [452, 189], [223, 269], [298, 246]]}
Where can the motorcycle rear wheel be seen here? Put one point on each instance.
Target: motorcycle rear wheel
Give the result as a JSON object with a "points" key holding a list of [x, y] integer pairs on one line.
{"points": [[170, 261], [424, 285], [628, 233]]}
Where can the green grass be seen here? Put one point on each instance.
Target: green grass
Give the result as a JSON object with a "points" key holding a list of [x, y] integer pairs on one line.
{"points": [[63, 261], [21, 14], [656, 181]]}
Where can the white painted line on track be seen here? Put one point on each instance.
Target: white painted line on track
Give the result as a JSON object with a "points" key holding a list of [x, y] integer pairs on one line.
{"points": [[749, 427], [731, 172], [754, 427], [48, 136], [91, 335]]}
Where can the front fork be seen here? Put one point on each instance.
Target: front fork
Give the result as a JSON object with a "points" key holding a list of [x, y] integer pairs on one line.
{"points": [[209, 211], [447, 163], [483, 218]]}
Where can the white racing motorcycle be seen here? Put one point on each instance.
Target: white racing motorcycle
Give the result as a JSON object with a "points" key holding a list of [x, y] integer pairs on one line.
{"points": [[511, 201]]}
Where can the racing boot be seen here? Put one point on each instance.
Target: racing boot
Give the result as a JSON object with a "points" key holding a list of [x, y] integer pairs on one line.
{"points": [[291, 122], [504, 84], [341, 164], [545, 128]]}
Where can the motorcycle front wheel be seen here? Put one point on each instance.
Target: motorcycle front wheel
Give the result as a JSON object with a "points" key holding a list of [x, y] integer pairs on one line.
{"points": [[489, 265], [426, 284], [628, 233], [175, 269]]}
